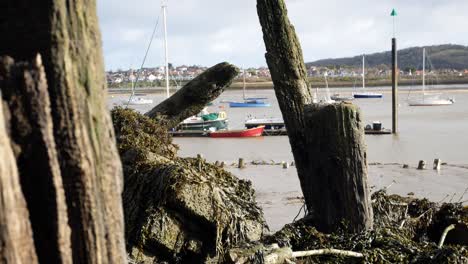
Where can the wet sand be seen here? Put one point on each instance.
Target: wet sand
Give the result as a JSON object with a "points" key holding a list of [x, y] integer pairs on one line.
{"points": [[278, 191]]}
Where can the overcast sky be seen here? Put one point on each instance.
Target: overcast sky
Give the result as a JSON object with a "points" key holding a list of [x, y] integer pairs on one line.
{"points": [[205, 32]]}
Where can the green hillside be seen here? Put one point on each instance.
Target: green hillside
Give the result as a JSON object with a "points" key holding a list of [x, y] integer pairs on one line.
{"points": [[441, 56]]}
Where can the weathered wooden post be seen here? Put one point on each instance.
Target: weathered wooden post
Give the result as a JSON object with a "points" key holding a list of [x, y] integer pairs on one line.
{"points": [[437, 163], [16, 240], [322, 138], [337, 167], [66, 34], [25, 95], [421, 165], [241, 165]]}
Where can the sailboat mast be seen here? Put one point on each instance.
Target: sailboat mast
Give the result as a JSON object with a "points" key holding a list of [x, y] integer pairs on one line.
{"points": [[132, 77], [363, 72], [424, 70], [243, 89], [164, 5], [327, 91]]}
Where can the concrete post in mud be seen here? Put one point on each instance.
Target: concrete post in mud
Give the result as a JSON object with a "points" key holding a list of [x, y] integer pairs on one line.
{"points": [[326, 142]]}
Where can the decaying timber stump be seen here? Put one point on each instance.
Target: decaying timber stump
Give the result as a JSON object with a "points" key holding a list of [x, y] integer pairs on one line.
{"points": [[25, 95], [326, 142], [69, 167], [16, 242], [337, 167]]}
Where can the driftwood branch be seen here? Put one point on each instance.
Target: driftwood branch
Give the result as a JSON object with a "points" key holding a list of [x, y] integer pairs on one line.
{"points": [[327, 251], [195, 95], [444, 235]]}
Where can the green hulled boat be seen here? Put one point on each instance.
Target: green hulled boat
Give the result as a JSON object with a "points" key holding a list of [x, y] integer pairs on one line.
{"points": [[205, 121]]}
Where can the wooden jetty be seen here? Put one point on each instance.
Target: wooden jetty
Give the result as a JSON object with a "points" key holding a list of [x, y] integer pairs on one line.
{"points": [[188, 133], [267, 132], [378, 132]]}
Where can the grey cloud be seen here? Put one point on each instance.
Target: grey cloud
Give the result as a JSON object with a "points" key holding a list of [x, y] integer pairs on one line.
{"points": [[206, 32]]}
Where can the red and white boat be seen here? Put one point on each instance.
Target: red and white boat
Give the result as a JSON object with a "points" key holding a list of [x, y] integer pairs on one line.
{"points": [[251, 132]]}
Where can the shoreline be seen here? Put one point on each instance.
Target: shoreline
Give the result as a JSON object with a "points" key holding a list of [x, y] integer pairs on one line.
{"points": [[315, 83], [279, 194], [263, 86]]}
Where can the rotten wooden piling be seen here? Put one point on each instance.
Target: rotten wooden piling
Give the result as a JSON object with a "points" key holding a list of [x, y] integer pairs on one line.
{"points": [[241, 164], [437, 163], [421, 165]]}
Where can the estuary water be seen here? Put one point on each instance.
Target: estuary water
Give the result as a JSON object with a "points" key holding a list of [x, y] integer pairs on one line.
{"points": [[425, 133]]}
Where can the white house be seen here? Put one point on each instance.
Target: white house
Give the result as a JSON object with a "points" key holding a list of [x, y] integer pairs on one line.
{"points": [[152, 78]]}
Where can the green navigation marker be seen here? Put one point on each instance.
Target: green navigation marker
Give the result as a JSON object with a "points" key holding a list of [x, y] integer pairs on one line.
{"points": [[394, 14]]}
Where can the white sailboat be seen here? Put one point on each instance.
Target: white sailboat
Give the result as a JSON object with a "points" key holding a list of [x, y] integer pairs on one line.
{"points": [[139, 100], [342, 97], [326, 98], [134, 99], [364, 93], [428, 99], [166, 52]]}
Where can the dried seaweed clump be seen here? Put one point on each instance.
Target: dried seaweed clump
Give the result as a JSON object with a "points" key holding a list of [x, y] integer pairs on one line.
{"points": [[179, 210], [406, 230], [136, 131]]}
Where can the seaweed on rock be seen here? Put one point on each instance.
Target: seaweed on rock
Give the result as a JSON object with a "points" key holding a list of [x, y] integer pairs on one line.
{"points": [[179, 209]]}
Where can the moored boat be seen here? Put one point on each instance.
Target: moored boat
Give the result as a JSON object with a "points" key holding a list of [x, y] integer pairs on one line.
{"points": [[364, 93], [339, 97], [255, 98], [249, 103], [367, 95], [204, 121], [198, 124], [429, 99], [326, 98], [250, 132], [268, 123], [135, 100]]}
